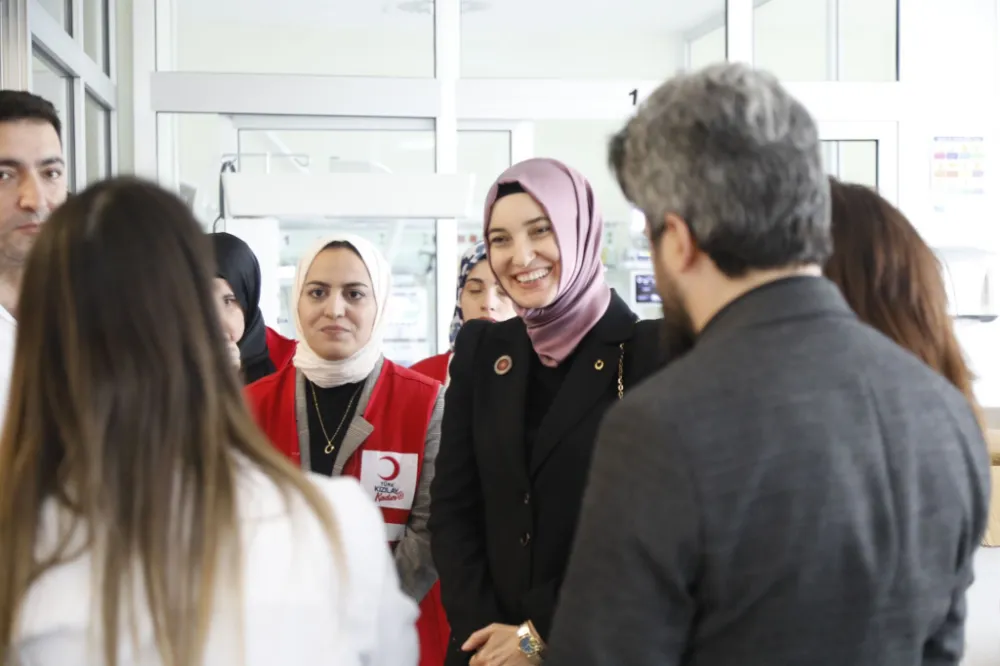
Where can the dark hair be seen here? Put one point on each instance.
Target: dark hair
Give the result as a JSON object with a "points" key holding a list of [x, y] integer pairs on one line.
{"points": [[126, 413], [22, 105], [892, 280], [506, 189]]}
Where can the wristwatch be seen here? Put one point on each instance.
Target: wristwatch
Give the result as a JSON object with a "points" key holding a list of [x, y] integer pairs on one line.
{"points": [[530, 644]]}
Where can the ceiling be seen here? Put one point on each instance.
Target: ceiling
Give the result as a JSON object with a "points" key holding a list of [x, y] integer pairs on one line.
{"points": [[528, 15]]}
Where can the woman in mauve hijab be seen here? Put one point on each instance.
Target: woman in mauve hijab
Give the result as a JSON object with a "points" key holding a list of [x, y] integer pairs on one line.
{"points": [[522, 412]]}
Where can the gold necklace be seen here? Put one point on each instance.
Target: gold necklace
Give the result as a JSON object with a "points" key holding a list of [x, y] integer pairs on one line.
{"points": [[329, 448]]}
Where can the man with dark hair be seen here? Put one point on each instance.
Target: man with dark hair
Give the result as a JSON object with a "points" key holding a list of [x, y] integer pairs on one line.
{"points": [[32, 184], [796, 488]]}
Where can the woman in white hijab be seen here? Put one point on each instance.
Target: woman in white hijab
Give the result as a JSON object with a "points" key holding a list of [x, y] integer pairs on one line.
{"points": [[342, 408]]}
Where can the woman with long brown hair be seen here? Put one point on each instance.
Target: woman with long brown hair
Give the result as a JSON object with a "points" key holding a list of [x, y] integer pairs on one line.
{"points": [[892, 280], [143, 516]]}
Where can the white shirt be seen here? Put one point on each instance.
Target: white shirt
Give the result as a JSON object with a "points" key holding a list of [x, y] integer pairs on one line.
{"points": [[8, 336], [296, 609]]}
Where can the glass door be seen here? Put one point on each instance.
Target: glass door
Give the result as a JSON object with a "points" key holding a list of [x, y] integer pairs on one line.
{"points": [[281, 215], [294, 177], [408, 244]]}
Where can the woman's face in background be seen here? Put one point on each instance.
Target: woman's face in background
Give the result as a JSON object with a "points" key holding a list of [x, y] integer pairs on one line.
{"points": [[524, 252], [483, 297], [230, 312], [337, 305]]}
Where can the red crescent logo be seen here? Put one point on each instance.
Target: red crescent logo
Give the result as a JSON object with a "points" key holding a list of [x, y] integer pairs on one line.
{"points": [[395, 468]]}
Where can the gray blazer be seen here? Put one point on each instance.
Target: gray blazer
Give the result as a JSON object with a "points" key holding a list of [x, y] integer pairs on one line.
{"points": [[796, 489], [413, 552]]}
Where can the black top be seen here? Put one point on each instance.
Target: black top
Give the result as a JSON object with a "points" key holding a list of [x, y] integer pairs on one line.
{"points": [[513, 464], [337, 406], [543, 386], [237, 264], [257, 368]]}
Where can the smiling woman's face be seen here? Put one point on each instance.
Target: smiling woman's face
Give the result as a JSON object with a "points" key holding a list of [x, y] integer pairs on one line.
{"points": [[337, 305], [524, 251]]}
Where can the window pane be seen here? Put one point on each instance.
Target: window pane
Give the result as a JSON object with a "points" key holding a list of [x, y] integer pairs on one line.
{"points": [[55, 85], [192, 149], [98, 140], [708, 49], [852, 161], [390, 38], [583, 144], [484, 154], [410, 247], [818, 40], [597, 40], [95, 32], [336, 151], [61, 11]]}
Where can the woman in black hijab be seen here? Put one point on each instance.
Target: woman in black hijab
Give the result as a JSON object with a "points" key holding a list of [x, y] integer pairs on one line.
{"points": [[237, 288]]}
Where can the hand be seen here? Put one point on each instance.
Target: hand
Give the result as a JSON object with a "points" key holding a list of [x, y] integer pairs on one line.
{"points": [[496, 645], [234, 353]]}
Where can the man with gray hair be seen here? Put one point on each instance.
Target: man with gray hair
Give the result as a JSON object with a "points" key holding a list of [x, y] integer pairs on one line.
{"points": [[795, 489]]}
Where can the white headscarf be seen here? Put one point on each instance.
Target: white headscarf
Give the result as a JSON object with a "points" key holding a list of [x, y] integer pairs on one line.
{"points": [[360, 364]]}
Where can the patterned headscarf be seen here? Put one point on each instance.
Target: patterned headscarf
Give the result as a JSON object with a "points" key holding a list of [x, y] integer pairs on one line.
{"points": [[472, 256]]}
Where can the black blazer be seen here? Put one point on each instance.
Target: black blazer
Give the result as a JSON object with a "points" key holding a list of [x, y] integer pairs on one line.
{"points": [[502, 524]]}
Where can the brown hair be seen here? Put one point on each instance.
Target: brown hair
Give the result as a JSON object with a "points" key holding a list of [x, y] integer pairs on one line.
{"points": [[125, 413], [892, 280]]}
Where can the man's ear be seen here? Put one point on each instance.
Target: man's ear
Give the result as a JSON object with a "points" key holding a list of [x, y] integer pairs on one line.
{"points": [[675, 243]]}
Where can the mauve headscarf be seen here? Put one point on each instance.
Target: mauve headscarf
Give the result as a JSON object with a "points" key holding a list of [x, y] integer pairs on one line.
{"points": [[583, 296]]}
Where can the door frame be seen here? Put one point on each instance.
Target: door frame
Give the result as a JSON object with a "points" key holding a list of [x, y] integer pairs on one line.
{"points": [[885, 134]]}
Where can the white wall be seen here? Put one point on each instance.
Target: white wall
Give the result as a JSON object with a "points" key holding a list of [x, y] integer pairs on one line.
{"points": [[409, 52], [951, 55], [952, 42]]}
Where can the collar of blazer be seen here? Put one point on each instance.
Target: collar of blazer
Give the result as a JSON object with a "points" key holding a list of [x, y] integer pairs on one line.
{"points": [[797, 297]]}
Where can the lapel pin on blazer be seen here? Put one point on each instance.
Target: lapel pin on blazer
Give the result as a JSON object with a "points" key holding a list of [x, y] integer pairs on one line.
{"points": [[502, 366], [599, 364]]}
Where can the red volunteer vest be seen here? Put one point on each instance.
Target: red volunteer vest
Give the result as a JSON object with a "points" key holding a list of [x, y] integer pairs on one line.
{"points": [[435, 367], [388, 463], [280, 349]]}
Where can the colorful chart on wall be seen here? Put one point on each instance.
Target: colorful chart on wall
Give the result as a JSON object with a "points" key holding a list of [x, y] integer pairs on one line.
{"points": [[958, 174]]}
